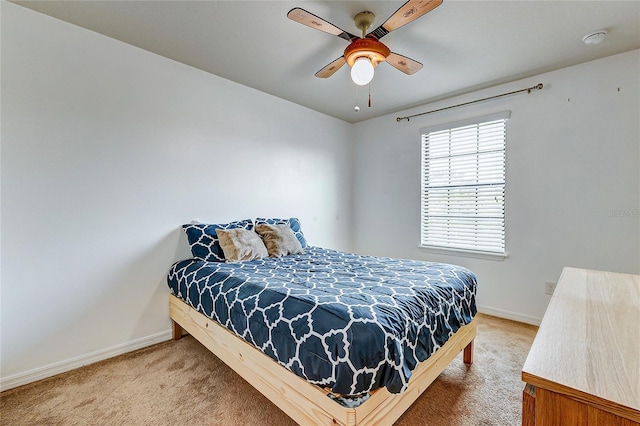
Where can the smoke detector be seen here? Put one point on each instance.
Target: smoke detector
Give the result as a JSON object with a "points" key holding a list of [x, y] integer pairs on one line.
{"points": [[595, 38]]}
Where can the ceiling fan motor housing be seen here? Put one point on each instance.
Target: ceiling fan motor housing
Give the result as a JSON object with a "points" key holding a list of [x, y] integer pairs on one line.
{"points": [[368, 47]]}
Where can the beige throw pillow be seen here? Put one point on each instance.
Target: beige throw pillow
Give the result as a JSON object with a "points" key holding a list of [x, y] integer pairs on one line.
{"points": [[279, 239], [241, 244]]}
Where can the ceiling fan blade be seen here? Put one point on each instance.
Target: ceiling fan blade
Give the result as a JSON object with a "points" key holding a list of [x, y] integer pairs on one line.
{"points": [[404, 64], [408, 12], [331, 68], [310, 20]]}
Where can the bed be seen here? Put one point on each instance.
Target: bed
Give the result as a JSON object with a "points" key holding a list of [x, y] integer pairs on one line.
{"points": [[329, 337]]}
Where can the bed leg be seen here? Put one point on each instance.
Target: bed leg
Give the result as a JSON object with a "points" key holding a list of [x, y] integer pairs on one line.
{"points": [[467, 356], [176, 330]]}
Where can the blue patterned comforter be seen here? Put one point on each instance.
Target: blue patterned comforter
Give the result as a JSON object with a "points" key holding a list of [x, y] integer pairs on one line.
{"points": [[348, 322]]}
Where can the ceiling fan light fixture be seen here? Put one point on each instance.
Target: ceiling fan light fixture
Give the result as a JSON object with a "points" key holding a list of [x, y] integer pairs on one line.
{"points": [[362, 71], [367, 53]]}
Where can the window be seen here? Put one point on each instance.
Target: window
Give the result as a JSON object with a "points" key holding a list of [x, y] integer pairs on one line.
{"points": [[463, 181]]}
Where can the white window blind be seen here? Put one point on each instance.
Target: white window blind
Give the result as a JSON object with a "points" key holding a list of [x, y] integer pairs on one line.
{"points": [[463, 181]]}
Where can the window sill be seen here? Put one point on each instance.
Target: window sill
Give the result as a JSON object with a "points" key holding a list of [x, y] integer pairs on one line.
{"points": [[465, 253]]}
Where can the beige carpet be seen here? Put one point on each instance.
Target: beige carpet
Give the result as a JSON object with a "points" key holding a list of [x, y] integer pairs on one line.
{"points": [[182, 383]]}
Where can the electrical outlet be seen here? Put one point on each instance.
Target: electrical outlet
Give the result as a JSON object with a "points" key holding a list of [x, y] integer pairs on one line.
{"points": [[549, 287]]}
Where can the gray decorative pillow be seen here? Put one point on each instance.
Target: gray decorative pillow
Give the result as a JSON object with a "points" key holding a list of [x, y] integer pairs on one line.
{"points": [[241, 244], [279, 239]]}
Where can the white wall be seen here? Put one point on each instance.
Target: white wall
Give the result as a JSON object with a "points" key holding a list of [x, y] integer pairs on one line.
{"points": [[573, 182], [106, 150]]}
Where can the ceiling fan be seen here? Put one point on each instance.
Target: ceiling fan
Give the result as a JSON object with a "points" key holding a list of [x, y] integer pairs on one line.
{"points": [[365, 52]]}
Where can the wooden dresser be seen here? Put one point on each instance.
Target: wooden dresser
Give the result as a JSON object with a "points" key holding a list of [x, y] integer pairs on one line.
{"points": [[584, 365]]}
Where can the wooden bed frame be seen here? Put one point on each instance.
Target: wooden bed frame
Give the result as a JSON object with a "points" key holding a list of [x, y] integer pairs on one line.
{"points": [[304, 402]]}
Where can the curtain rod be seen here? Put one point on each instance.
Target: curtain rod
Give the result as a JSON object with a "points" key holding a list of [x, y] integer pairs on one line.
{"points": [[528, 90]]}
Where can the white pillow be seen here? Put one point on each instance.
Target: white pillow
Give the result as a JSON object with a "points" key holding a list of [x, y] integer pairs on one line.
{"points": [[279, 239], [241, 244]]}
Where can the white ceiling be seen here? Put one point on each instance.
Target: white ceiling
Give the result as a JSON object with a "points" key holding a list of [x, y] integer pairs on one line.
{"points": [[464, 45]]}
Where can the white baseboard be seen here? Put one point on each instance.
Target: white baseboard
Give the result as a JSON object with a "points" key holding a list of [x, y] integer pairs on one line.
{"points": [[40, 373], [501, 313]]}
